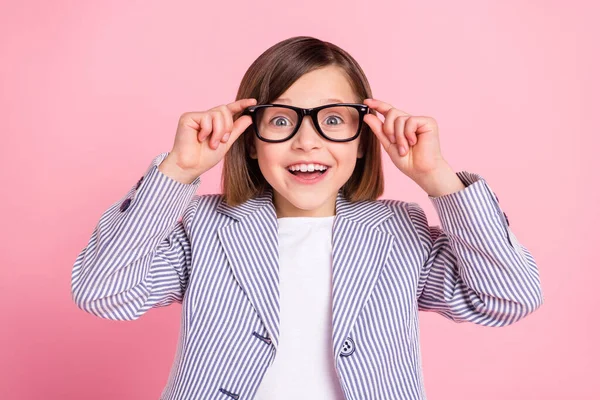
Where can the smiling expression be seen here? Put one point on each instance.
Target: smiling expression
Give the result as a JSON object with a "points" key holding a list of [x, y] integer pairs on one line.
{"points": [[292, 196]]}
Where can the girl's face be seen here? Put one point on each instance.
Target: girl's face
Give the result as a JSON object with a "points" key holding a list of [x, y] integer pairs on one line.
{"points": [[291, 197]]}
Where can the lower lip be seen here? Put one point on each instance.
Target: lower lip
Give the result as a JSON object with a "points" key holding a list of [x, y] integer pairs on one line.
{"points": [[310, 181]]}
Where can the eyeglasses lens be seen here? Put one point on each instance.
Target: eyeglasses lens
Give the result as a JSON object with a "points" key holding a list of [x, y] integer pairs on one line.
{"points": [[337, 123]]}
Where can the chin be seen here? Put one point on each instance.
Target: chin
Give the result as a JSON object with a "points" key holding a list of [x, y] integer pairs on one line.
{"points": [[304, 199], [308, 204]]}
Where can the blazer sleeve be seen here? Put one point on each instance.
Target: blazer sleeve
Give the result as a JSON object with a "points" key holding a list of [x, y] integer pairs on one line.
{"points": [[474, 267], [139, 253]]}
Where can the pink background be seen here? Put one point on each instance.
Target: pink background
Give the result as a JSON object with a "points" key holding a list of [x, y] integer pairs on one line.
{"points": [[90, 93]]}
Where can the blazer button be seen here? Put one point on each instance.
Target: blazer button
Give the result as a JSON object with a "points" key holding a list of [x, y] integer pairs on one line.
{"points": [[125, 205], [265, 339], [506, 218], [137, 185], [348, 347]]}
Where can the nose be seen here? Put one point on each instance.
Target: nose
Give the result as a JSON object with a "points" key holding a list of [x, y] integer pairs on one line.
{"points": [[307, 136]]}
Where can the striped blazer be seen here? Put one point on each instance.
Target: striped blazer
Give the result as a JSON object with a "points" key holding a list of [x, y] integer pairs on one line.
{"points": [[161, 243]]}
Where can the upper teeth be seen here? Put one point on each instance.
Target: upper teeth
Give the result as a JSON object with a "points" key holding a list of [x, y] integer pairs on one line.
{"points": [[307, 167]]}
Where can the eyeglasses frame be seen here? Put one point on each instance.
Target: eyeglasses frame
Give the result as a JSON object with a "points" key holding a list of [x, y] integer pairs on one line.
{"points": [[312, 112]]}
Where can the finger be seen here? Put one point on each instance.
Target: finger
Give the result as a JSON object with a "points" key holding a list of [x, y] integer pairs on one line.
{"points": [[381, 106], [239, 126], [400, 138], [418, 125], [228, 122], [240, 105], [410, 134], [205, 127], [388, 124], [217, 132], [380, 123], [377, 127]]}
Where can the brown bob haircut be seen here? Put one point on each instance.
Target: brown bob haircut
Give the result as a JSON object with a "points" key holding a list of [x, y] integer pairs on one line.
{"points": [[269, 76]]}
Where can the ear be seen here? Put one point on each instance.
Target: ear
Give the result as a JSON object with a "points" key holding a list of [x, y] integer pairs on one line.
{"points": [[252, 150], [361, 150]]}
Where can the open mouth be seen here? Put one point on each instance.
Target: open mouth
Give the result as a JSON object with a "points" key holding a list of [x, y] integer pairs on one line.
{"points": [[307, 174], [313, 171]]}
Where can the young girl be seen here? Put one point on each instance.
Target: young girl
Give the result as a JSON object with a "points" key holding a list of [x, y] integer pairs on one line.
{"points": [[297, 282]]}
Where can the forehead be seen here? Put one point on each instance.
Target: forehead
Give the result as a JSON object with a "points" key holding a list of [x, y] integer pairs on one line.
{"points": [[324, 85]]}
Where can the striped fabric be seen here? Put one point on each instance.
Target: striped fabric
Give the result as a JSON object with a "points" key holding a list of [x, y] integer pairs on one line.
{"points": [[162, 243]]}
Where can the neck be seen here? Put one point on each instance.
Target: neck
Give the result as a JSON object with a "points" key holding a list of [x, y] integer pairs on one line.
{"points": [[285, 208]]}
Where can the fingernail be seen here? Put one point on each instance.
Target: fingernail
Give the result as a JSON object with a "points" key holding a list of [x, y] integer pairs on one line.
{"points": [[226, 136], [402, 150], [393, 139]]}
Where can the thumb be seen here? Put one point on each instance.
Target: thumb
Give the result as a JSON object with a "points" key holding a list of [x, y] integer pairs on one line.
{"points": [[377, 127], [239, 126]]}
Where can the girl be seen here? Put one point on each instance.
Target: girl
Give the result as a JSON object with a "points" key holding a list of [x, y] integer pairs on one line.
{"points": [[297, 282]]}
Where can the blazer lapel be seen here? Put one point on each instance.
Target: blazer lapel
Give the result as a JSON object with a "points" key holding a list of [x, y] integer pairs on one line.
{"points": [[251, 245], [359, 253]]}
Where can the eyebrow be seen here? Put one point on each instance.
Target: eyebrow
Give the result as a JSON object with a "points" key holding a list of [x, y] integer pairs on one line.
{"points": [[323, 101]]}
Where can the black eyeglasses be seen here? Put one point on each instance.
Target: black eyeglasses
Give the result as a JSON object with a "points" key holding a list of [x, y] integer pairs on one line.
{"points": [[339, 122]]}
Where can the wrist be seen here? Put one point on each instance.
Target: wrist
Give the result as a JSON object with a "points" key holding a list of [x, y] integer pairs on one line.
{"points": [[441, 181], [170, 168]]}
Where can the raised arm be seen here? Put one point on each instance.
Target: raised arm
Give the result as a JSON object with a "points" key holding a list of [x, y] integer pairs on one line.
{"points": [[139, 254], [474, 268]]}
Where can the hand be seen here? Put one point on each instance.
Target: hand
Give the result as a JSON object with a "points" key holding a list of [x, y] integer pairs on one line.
{"points": [[418, 135], [203, 138]]}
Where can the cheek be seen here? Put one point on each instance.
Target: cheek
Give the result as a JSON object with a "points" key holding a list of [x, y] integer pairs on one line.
{"points": [[269, 158], [346, 154]]}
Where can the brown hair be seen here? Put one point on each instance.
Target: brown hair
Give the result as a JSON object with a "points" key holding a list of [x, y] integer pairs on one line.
{"points": [[269, 76]]}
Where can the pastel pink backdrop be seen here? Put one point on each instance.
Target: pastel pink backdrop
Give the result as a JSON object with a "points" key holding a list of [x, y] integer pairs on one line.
{"points": [[92, 92]]}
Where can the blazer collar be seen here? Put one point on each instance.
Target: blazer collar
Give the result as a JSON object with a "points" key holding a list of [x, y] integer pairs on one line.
{"points": [[368, 213], [250, 243]]}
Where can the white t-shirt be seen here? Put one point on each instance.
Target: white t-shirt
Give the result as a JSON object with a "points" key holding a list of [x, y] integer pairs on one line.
{"points": [[304, 364]]}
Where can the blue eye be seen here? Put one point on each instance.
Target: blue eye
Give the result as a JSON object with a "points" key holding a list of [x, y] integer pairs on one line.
{"points": [[277, 119], [338, 118]]}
